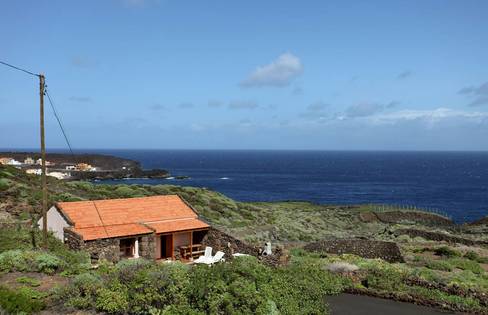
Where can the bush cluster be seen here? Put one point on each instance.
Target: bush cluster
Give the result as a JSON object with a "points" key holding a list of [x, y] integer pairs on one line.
{"points": [[41, 261], [21, 301], [242, 286]]}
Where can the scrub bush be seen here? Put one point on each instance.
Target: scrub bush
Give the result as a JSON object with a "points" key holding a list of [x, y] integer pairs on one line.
{"points": [[446, 252], [29, 281], [113, 301], [48, 263], [439, 265], [21, 301], [465, 264], [81, 292]]}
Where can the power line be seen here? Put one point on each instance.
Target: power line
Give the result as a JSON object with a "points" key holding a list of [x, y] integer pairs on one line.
{"points": [[59, 120], [20, 69], [50, 101]]}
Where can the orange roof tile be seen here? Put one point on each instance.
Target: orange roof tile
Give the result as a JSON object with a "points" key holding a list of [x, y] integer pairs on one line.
{"points": [[92, 233], [177, 225], [119, 217]]}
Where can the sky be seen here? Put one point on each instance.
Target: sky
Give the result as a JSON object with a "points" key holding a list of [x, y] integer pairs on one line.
{"points": [[315, 75]]}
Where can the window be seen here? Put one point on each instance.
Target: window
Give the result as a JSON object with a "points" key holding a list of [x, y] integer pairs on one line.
{"points": [[127, 247]]}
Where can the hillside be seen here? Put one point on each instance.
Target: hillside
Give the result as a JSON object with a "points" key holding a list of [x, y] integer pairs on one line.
{"points": [[404, 255]]}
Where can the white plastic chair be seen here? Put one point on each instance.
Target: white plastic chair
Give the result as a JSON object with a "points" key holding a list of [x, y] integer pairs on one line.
{"points": [[205, 258], [218, 257]]}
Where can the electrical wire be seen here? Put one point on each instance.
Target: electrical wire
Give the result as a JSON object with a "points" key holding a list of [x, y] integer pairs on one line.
{"points": [[20, 69], [59, 120]]}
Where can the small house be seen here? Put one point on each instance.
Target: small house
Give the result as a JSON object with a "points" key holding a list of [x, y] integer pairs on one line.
{"points": [[157, 227], [5, 161], [84, 167], [34, 171], [48, 163], [29, 161]]}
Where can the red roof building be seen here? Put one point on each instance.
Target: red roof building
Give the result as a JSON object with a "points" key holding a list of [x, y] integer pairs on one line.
{"points": [[160, 227]]}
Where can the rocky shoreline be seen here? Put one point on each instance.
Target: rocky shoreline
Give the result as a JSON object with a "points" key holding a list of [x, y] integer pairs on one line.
{"points": [[107, 166]]}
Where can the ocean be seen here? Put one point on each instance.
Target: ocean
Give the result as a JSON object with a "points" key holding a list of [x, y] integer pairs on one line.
{"points": [[453, 183]]}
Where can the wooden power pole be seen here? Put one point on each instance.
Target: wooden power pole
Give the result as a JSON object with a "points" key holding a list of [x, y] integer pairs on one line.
{"points": [[43, 162]]}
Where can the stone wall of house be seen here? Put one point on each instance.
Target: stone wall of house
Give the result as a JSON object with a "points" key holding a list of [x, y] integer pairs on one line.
{"points": [[147, 246], [73, 240], [108, 248]]}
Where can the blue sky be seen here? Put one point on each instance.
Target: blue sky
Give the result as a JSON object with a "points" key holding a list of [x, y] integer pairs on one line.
{"points": [[389, 75]]}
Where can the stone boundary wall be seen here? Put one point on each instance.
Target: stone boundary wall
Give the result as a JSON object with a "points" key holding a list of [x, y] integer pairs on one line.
{"points": [[399, 216], [387, 251], [420, 217], [221, 241], [439, 237]]}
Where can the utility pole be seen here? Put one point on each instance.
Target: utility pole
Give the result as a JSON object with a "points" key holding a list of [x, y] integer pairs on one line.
{"points": [[43, 161]]}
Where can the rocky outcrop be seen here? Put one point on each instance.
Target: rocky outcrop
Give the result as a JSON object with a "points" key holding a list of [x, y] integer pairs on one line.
{"points": [[387, 251]]}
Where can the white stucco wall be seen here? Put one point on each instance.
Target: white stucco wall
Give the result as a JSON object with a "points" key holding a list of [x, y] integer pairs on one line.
{"points": [[55, 223]]}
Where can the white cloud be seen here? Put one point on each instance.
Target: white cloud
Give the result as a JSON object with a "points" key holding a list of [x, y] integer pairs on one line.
{"points": [[429, 116], [278, 73]]}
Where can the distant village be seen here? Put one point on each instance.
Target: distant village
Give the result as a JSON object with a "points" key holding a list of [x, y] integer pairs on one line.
{"points": [[59, 171]]}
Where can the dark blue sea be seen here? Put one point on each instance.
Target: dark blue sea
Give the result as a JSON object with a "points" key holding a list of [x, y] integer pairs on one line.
{"points": [[455, 183]]}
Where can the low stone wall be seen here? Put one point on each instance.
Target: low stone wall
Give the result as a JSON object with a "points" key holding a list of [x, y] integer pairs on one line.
{"points": [[399, 216], [221, 241], [387, 251], [439, 237]]}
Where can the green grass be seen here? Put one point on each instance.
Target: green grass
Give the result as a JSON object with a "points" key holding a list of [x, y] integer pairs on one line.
{"points": [[32, 282]]}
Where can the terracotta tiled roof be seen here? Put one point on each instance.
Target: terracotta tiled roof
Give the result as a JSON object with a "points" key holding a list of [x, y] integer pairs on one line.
{"points": [[119, 217], [93, 233], [177, 225]]}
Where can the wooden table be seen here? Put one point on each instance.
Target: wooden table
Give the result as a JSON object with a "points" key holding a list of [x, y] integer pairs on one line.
{"points": [[191, 251]]}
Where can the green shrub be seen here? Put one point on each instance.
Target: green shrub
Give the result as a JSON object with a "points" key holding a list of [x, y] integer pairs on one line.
{"points": [[21, 301], [82, 291], [47, 263], [126, 192], [300, 288], [447, 252], [29, 281], [439, 265], [4, 184], [113, 301], [472, 255], [465, 264], [16, 260]]}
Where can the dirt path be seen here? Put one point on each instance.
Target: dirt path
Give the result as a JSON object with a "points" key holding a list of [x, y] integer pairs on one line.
{"points": [[350, 304]]}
